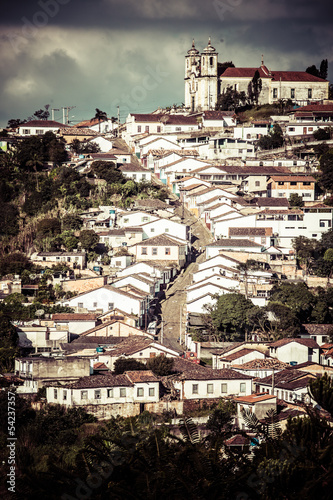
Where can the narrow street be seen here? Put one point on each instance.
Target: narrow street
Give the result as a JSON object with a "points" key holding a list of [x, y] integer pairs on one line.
{"points": [[173, 307]]}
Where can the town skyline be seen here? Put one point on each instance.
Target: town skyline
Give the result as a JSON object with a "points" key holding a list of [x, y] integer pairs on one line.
{"points": [[104, 54]]}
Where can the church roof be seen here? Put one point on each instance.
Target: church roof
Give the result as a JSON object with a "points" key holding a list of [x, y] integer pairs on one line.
{"points": [[284, 76], [193, 51]]}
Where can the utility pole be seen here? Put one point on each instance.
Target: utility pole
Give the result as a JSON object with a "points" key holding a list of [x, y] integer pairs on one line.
{"points": [[52, 111], [65, 113]]}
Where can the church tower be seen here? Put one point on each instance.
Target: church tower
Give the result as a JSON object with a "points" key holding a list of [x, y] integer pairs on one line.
{"points": [[201, 78], [192, 73], [209, 80]]}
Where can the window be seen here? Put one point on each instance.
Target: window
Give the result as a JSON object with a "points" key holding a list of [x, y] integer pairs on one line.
{"points": [[154, 251], [139, 128], [195, 388], [291, 129], [40, 132], [134, 176], [274, 93], [143, 177], [306, 183], [166, 229], [126, 220], [242, 387], [98, 394], [210, 388], [263, 240], [152, 391], [309, 93], [211, 61], [139, 392], [55, 393], [80, 304], [224, 388], [152, 230], [95, 304], [110, 393], [167, 251], [111, 306], [64, 395], [26, 131], [122, 392], [143, 250], [147, 128], [292, 93], [281, 183], [84, 394], [158, 128], [257, 183]]}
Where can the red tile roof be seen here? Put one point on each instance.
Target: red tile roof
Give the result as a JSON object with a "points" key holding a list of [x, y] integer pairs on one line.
{"points": [[283, 76], [43, 123], [254, 398], [307, 342]]}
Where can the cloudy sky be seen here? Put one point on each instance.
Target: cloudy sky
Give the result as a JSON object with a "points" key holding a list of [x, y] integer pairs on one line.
{"points": [[103, 53]]}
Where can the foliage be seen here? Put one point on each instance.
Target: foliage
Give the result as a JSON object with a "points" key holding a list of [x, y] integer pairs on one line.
{"points": [[8, 343], [107, 170], [221, 419], [48, 227], [71, 222], [295, 200], [326, 170], [229, 315], [297, 297], [83, 147], [231, 99], [322, 134], [9, 219], [322, 72], [273, 140], [254, 88], [122, 365], [14, 263], [160, 365], [88, 239]]}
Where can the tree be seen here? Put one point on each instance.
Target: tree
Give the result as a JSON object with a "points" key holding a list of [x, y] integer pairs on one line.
{"points": [[295, 200], [297, 297], [122, 365], [160, 365], [107, 170], [9, 219], [88, 239], [100, 116], [323, 71], [322, 134], [229, 315], [14, 263], [15, 123], [306, 250], [48, 227], [71, 222], [254, 88], [273, 140], [221, 420], [41, 114], [326, 170], [231, 99], [312, 70]]}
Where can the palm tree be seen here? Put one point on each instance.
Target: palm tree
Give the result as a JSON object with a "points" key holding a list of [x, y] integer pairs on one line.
{"points": [[34, 163], [100, 115]]}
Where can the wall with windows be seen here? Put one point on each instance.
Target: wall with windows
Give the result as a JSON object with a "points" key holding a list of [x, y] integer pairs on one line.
{"points": [[197, 389]]}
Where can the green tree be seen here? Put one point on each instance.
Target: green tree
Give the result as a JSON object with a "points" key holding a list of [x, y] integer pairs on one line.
{"points": [[107, 170], [295, 200], [229, 315], [88, 239], [273, 140], [160, 365], [14, 263], [48, 227], [100, 116], [122, 365], [254, 88], [71, 222], [9, 219], [326, 170]]}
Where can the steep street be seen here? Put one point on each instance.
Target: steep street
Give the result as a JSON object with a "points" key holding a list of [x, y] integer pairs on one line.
{"points": [[173, 307]]}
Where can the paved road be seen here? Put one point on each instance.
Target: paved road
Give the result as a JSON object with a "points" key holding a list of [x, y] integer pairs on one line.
{"points": [[173, 307]]}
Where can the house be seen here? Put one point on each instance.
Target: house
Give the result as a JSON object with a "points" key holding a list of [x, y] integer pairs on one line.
{"points": [[108, 395], [38, 371], [120, 237], [258, 404], [135, 172], [138, 348], [161, 248], [114, 328], [239, 357], [290, 384], [39, 339], [102, 125], [321, 333], [282, 186], [164, 226], [75, 260], [164, 273], [231, 244], [39, 127], [134, 218], [107, 298], [73, 322], [196, 382], [260, 235], [295, 351]]}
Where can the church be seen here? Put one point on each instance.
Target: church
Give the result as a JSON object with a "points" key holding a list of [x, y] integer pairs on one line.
{"points": [[206, 79]]}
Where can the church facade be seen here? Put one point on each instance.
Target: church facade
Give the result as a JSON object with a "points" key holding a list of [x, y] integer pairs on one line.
{"points": [[205, 81]]}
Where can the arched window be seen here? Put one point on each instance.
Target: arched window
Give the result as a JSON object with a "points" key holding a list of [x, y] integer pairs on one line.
{"points": [[211, 60]]}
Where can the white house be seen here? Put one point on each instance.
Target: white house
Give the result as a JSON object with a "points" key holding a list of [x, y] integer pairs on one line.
{"points": [[135, 172], [165, 226], [295, 351], [39, 127]]}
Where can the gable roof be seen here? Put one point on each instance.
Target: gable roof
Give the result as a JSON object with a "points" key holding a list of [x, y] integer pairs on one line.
{"points": [[43, 123], [229, 242], [306, 342], [283, 76], [161, 240]]}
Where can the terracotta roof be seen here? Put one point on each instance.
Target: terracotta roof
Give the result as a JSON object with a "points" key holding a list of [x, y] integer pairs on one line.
{"points": [[262, 364], [284, 76], [293, 178], [141, 376], [74, 317], [96, 381], [43, 123], [250, 231], [238, 354], [318, 329], [270, 202], [290, 379], [307, 342], [254, 398], [161, 240], [131, 167], [228, 242], [237, 440], [316, 107], [217, 115]]}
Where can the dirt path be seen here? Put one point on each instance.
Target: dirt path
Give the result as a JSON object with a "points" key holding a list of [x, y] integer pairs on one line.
{"points": [[173, 307]]}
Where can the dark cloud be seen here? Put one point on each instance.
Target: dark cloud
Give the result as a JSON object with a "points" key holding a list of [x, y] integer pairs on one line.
{"points": [[101, 53]]}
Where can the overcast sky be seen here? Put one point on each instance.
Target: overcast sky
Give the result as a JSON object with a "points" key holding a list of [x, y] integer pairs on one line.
{"points": [[103, 53]]}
